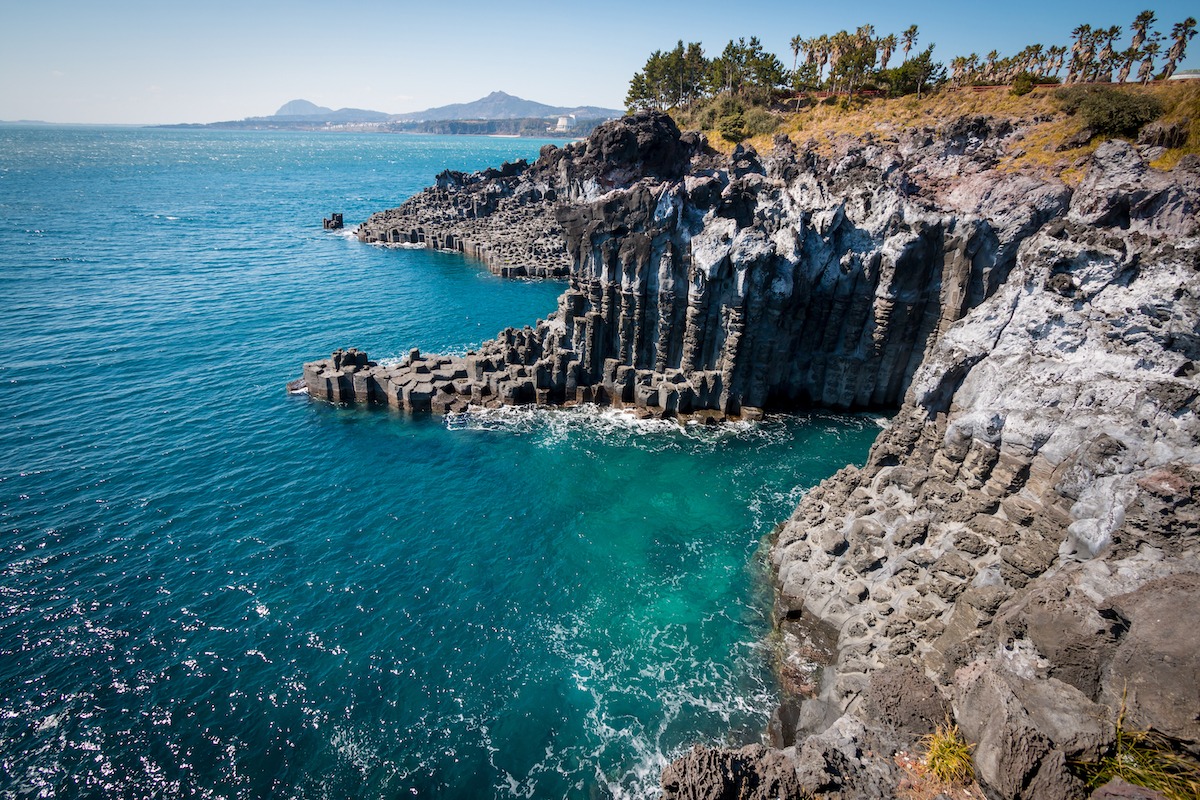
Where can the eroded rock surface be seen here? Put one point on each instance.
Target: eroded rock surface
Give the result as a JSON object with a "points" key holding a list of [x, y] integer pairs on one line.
{"points": [[1026, 533]]}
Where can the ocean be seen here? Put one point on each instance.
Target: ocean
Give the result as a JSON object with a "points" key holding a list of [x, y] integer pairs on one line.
{"points": [[212, 588]]}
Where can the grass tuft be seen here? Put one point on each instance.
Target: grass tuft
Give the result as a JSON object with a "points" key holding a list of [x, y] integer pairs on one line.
{"points": [[948, 756], [1145, 758]]}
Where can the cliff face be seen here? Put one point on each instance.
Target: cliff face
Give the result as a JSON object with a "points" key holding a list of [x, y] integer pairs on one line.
{"points": [[699, 286], [1006, 554], [1033, 501], [793, 283]]}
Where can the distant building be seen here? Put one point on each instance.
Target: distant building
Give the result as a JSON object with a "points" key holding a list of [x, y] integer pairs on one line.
{"points": [[1186, 75], [566, 123]]}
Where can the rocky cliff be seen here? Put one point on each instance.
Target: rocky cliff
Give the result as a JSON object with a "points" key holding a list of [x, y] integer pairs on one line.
{"points": [[505, 217], [1025, 538], [700, 286], [1021, 550]]}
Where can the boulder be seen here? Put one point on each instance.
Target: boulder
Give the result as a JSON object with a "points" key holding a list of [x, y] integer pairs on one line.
{"points": [[1155, 671]]}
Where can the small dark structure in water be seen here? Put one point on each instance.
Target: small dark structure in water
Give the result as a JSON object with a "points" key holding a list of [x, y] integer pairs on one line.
{"points": [[332, 222]]}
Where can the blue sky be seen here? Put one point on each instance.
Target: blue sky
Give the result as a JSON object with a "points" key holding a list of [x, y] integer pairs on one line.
{"points": [[136, 61]]}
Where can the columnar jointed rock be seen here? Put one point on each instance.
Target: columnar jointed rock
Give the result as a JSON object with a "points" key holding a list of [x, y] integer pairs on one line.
{"points": [[491, 377], [505, 217], [723, 288], [1036, 497]]}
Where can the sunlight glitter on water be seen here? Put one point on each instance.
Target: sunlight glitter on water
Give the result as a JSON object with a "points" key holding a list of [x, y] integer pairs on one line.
{"points": [[213, 588]]}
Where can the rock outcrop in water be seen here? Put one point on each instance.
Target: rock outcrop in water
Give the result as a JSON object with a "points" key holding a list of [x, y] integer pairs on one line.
{"points": [[1022, 549], [720, 289], [504, 217]]}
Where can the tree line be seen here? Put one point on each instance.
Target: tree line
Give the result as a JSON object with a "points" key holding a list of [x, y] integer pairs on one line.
{"points": [[1095, 56], [850, 62]]}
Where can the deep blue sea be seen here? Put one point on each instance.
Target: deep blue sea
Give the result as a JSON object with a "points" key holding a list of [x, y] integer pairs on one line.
{"points": [[212, 588]]}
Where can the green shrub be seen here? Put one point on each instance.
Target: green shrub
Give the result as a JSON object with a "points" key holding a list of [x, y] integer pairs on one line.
{"points": [[1110, 112], [759, 121], [732, 127], [1022, 84]]}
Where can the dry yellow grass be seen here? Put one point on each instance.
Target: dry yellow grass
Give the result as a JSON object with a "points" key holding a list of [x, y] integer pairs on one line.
{"points": [[1038, 152], [919, 783]]}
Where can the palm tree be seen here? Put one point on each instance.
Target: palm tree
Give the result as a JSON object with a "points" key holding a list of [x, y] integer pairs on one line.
{"points": [[1107, 58], [958, 65], [1087, 56], [887, 46], [1054, 60], [1034, 60], [824, 51], [864, 39], [1141, 24], [973, 67], [1127, 56], [1076, 69], [797, 44], [1182, 32], [908, 39], [989, 72], [1146, 70]]}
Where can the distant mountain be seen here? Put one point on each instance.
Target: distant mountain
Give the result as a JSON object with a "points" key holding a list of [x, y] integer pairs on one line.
{"points": [[496, 114], [499, 105], [302, 108], [304, 111]]}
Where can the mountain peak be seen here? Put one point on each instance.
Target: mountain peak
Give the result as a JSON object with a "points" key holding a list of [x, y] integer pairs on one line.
{"points": [[502, 105], [301, 108]]}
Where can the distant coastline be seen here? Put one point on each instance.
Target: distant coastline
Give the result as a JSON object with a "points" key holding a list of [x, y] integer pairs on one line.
{"points": [[497, 114], [529, 127]]}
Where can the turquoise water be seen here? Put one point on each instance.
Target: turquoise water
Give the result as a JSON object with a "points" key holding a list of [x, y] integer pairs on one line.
{"points": [[212, 588]]}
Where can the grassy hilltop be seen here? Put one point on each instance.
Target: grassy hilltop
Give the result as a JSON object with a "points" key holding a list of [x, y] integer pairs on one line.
{"points": [[1053, 139]]}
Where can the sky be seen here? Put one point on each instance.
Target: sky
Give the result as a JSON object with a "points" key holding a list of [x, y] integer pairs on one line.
{"points": [[168, 61]]}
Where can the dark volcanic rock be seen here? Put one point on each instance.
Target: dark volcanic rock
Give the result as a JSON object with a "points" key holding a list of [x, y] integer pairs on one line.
{"points": [[1156, 668], [902, 697], [506, 216], [1027, 731], [1117, 789], [751, 773]]}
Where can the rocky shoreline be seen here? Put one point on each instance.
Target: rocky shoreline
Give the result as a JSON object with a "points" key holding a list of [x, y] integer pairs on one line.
{"points": [[1021, 552]]}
